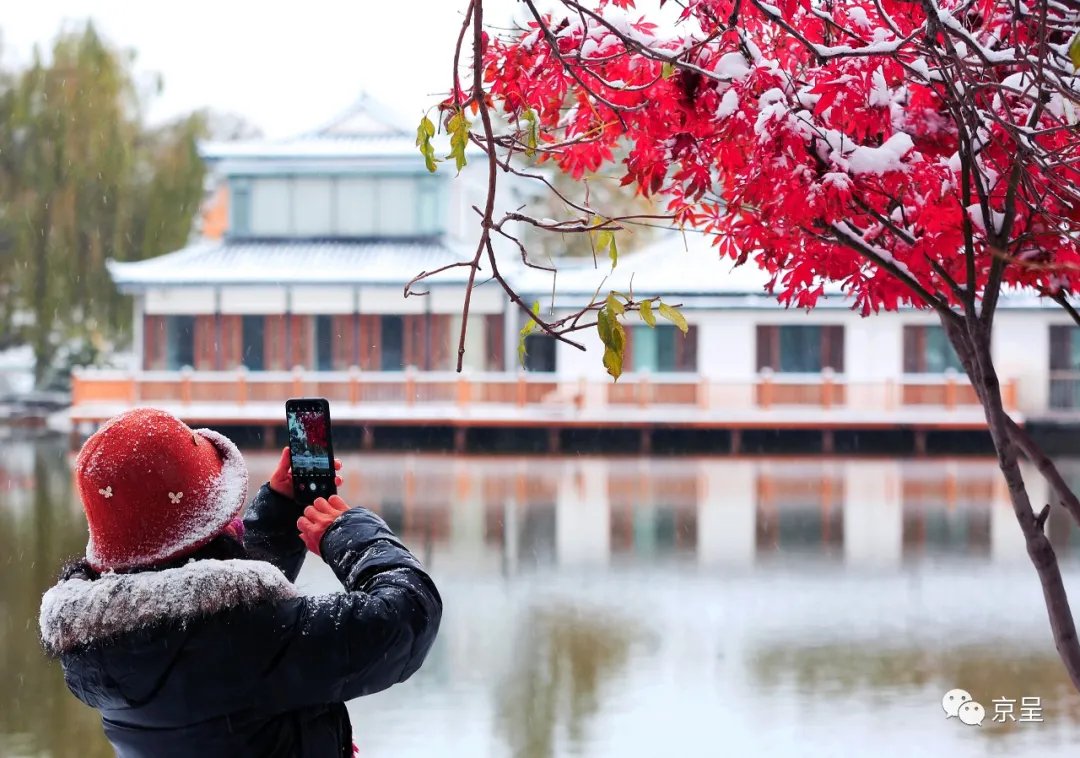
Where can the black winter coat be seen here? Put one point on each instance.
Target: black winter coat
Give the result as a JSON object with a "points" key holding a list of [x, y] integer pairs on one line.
{"points": [[224, 658]]}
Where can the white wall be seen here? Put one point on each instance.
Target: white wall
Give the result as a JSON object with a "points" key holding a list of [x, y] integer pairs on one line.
{"points": [[180, 300], [323, 300], [1022, 349], [390, 300], [254, 300], [450, 298]]}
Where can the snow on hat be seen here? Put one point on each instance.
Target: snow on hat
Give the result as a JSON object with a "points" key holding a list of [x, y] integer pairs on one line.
{"points": [[153, 489]]}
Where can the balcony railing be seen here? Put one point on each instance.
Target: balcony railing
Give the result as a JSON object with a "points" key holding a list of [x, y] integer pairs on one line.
{"points": [[767, 391]]}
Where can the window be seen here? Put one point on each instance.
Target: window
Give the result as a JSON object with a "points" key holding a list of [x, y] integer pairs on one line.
{"points": [[427, 208], [356, 207], [346, 206], [539, 353], [397, 206], [312, 206], [1064, 348], [392, 332], [1064, 367], [663, 349], [240, 224], [927, 351], [271, 212], [800, 349], [324, 343], [180, 341], [253, 342]]}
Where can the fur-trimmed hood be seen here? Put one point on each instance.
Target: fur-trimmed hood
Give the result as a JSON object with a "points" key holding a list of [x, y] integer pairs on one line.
{"points": [[80, 612]]}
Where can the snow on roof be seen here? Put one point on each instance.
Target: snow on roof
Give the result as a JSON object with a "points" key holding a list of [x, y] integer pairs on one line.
{"points": [[366, 128], [293, 262], [676, 264]]}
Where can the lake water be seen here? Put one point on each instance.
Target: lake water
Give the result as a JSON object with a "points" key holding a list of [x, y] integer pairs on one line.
{"points": [[647, 606]]}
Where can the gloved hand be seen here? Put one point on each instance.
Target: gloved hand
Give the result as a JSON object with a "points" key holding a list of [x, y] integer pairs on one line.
{"points": [[317, 519], [281, 479]]}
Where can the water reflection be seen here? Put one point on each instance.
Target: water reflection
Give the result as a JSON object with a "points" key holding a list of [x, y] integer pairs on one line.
{"points": [[635, 606], [1005, 672]]}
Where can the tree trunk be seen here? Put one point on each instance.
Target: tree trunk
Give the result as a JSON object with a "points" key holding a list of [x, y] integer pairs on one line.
{"points": [[972, 343]]}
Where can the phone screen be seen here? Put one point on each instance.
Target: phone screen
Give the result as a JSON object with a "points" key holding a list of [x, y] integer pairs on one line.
{"points": [[311, 448]]}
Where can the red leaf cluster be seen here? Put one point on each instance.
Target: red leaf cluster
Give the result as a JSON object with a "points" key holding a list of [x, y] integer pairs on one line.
{"points": [[876, 144]]}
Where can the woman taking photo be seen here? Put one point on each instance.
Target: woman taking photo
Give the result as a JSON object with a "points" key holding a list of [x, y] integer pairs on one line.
{"points": [[182, 625]]}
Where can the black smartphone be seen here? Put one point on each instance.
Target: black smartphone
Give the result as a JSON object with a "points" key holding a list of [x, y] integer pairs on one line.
{"points": [[311, 448]]}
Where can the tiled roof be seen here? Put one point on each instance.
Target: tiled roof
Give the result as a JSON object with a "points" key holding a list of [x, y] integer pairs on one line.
{"points": [[691, 271], [293, 262]]}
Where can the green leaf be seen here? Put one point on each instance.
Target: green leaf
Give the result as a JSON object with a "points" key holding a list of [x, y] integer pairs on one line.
{"points": [[613, 336], [424, 133], [526, 330], [1074, 51], [612, 304], [673, 315], [458, 127], [532, 134], [605, 240], [646, 313], [667, 70]]}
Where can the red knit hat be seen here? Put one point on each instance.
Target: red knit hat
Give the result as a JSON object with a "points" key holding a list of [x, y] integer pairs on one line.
{"points": [[153, 489]]}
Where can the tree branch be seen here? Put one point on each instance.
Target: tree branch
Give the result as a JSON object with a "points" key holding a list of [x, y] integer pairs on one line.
{"points": [[1046, 468], [859, 245]]}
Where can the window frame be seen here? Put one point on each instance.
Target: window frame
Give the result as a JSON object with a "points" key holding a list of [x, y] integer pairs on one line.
{"points": [[534, 359], [916, 342], [831, 347], [246, 320]]}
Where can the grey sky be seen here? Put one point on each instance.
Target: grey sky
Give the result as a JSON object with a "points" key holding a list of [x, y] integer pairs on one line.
{"points": [[284, 66]]}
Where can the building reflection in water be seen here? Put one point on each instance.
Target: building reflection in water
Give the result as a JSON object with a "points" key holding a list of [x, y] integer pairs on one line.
{"points": [[518, 513]]}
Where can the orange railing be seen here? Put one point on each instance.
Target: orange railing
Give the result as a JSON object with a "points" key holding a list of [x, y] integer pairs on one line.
{"points": [[413, 388]]}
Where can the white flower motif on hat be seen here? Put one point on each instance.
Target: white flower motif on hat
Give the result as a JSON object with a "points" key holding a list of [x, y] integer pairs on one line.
{"points": [[106, 492], [175, 497]]}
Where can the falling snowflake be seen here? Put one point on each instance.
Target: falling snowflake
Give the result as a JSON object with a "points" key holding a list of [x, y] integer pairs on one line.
{"points": [[175, 497], [107, 492]]}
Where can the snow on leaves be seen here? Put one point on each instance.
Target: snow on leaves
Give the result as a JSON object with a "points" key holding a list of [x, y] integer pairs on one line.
{"points": [[868, 142]]}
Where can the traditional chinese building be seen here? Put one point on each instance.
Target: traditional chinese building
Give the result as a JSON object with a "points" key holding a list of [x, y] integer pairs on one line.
{"points": [[298, 289]]}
